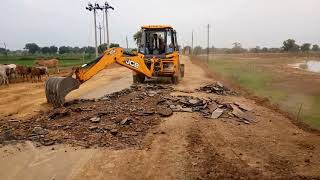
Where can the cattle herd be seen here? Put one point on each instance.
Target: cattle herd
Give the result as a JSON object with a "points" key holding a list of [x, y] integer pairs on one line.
{"points": [[13, 72]]}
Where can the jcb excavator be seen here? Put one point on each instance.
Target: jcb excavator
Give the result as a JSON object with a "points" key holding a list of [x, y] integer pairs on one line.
{"points": [[157, 56]]}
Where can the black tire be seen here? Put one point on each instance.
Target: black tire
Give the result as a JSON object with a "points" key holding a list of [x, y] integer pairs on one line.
{"points": [[139, 78], [182, 70], [175, 79]]}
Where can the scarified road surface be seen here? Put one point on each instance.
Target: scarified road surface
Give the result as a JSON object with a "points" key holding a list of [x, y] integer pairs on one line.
{"points": [[188, 147]]}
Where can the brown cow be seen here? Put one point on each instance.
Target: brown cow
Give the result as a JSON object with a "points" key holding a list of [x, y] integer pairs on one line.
{"points": [[52, 63], [23, 71], [38, 72]]}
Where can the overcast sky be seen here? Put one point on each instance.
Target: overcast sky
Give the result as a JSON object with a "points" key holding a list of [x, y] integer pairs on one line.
{"points": [[250, 22]]}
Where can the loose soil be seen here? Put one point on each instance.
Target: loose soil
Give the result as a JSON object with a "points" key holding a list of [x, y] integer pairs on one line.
{"points": [[182, 146]]}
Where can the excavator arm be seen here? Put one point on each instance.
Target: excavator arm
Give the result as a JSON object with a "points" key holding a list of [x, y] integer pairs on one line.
{"points": [[58, 87], [114, 55]]}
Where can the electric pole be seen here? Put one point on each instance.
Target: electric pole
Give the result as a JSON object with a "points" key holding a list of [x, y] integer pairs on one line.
{"points": [[208, 47], [100, 28], [94, 8], [192, 43], [104, 28], [5, 50], [106, 7], [127, 42]]}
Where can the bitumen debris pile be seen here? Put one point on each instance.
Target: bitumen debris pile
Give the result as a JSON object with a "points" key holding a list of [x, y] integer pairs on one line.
{"points": [[217, 88], [121, 119]]}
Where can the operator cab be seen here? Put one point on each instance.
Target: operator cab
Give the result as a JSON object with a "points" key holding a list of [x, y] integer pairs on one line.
{"points": [[158, 41]]}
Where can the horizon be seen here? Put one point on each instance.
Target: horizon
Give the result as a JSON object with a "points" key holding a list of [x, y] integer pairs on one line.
{"points": [[252, 24]]}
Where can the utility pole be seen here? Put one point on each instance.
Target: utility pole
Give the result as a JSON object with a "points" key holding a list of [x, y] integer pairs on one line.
{"points": [[104, 28], [95, 32], [127, 42], [5, 51], [94, 8], [106, 7], [192, 43], [100, 28], [208, 47]]}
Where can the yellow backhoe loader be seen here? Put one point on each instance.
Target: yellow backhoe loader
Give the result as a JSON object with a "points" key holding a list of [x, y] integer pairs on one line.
{"points": [[157, 56]]}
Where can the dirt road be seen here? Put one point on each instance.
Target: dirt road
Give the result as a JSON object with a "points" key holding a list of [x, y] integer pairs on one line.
{"points": [[27, 99], [188, 147]]}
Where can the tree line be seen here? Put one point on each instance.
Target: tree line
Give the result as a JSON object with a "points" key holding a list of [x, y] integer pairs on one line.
{"points": [[288, 46], [33, 48]]}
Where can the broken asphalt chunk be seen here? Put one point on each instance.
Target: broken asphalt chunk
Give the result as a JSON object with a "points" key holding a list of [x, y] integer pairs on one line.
{"points": [[126, 121], [59, 113], [114, 131], [144, 113], [217, 113], [95, 119], [194, 101], [242, 115], [186, 110], [165, 112], [92, 128], [244, 106]]}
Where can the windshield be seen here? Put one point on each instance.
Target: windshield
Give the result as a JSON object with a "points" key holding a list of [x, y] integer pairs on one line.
{"points": [[156, 42]]}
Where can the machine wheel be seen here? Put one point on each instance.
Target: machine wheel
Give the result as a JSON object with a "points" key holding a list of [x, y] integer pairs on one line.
{"points": [[139, 78], [182, 70], [175, 79]]}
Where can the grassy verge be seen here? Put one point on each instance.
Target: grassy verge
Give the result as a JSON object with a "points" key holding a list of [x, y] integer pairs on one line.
{"points": [[248, 75], [261, 76]]}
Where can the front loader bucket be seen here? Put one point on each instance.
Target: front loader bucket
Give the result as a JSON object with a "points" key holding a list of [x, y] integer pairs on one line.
{"points": [[58, 87]]}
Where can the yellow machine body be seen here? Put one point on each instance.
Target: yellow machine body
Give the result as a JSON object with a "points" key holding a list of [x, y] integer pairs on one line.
{"points": [[155, 58]]}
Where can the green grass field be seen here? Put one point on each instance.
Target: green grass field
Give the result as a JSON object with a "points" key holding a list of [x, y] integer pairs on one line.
{"points": [[269, 77], [64, 60]]}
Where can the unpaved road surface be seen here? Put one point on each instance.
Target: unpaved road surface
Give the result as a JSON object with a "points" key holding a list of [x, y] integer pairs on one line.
{"points": [[27, 99], [188, 147]]}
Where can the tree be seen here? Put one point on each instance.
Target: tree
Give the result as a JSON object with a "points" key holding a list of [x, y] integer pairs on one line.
{"points": [[45, 50], [274, 50], [257, 49], [305, 47], [290, 46], [90, 50], [197, 50], [315, 47], [102, 48], [265, 50], [75, 50], [64, 50], [4, 51], [112, 45], [237, 48], [53, 49], [32, 48], [137, 37]]}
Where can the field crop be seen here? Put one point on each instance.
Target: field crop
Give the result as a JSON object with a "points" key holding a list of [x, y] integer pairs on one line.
{"points": [[28, 60]]}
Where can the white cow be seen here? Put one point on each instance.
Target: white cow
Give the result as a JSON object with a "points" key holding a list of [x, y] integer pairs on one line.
{"points": [[3, 74], [11, 71]]}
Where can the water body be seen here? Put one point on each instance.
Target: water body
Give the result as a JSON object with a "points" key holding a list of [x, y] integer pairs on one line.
{"points": [[310, 65]]}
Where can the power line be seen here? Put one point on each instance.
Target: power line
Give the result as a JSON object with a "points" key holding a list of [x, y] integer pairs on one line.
{"points": [[104, 28], [192, 43], [100, 28], [127, 42], [106, 7], [94, 8], [208, 45]]}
